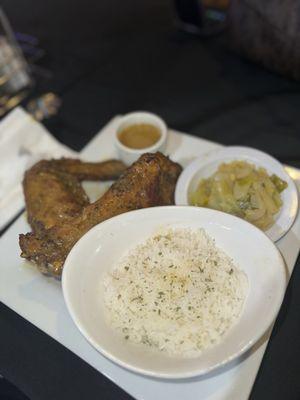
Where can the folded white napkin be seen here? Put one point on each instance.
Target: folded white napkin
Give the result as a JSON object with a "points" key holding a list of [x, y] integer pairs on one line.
{"points": [[23, 141]]}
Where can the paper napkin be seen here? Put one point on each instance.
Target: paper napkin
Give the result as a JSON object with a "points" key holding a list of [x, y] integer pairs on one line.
{"points": [[23, 141]]}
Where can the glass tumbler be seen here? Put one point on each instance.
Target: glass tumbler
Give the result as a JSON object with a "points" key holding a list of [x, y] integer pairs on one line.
{"points": [[201, 17], [15, 79]]}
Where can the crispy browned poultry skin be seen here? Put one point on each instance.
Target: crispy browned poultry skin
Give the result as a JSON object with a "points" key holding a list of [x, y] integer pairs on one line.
{"points": [[93, 171], [148, 182], [53, 192]]}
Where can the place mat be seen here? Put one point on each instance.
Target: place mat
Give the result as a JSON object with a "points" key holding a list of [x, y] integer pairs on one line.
{"points": [[23, 141], [39, 299]]}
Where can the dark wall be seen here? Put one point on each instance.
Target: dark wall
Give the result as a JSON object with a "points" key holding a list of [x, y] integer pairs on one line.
{"points": [[109, 57]]}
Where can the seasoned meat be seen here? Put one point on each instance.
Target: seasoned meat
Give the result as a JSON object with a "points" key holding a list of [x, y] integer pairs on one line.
{"points": [[148, 182], [53, 192]]}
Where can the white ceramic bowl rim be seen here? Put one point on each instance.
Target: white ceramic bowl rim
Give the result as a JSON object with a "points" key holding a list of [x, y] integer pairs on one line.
{"points": [[236, 223], [258, 157], [155, 119]]}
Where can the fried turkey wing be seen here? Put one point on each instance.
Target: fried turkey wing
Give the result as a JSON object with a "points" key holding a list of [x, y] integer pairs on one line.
{"points": [[53, 192], [148, 182]]}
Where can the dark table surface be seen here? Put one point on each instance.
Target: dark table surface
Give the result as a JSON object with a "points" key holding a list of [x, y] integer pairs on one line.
{"points": [[110, 57]]}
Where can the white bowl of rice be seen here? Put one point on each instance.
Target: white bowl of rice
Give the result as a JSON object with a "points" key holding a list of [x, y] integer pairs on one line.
{"points": [[173, 292]]}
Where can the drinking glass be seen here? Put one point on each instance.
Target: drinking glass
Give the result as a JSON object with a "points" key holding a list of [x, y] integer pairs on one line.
{"points": [[15, 79], [201, 17]]}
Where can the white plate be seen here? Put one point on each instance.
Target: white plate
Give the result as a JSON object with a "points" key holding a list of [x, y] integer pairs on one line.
{"points": [[40, 300], [99, 249], [203, 167]]}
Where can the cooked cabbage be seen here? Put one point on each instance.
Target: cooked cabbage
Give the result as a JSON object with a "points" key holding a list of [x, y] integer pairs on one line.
{"points": [[242, 189]]}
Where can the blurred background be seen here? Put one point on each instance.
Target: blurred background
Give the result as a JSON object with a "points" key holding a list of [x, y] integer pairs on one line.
{"points": [[109, 57]]}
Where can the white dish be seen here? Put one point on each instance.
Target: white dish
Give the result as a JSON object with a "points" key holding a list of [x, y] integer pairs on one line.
{"points": [[99, 249], [129, 155], [203, 167], [40, 300]]}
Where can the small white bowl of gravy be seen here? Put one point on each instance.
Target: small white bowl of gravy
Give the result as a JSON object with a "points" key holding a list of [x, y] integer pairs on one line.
{"points": [[139, 133]]}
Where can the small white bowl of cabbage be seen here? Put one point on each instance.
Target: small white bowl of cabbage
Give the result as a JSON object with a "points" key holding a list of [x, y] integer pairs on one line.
{"points": [[244, 182]]}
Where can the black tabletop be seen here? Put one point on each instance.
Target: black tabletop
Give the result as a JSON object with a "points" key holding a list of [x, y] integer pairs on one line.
{"points": [[110, 57]]}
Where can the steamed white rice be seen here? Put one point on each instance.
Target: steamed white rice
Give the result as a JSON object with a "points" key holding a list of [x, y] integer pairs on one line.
{"points": [[176, 292]]}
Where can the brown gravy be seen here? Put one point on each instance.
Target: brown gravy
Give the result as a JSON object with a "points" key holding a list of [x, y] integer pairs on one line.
{"points": [[139, 136]]}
